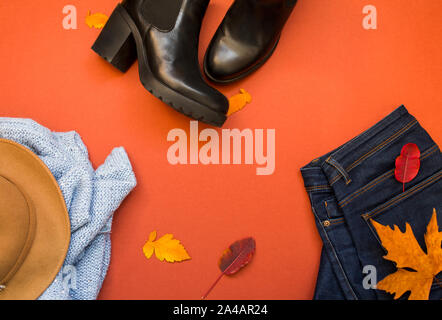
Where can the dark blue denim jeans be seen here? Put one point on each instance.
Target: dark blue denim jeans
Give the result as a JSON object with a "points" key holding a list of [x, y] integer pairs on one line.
{"points": [[355, 184]]}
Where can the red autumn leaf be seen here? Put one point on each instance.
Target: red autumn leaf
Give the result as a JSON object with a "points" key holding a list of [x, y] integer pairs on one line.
{"points": [[408, 164], [234, 258]]}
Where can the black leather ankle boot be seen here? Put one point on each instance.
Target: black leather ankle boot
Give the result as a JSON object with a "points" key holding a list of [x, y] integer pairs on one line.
{"points": [[164, 36], [246, 38]]}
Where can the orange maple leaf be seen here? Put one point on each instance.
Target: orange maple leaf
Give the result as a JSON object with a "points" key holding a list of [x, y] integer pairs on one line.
{"points": [[405, 251]]}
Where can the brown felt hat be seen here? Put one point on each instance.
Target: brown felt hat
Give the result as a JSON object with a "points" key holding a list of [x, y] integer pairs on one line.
{"points": [[34, 224]]}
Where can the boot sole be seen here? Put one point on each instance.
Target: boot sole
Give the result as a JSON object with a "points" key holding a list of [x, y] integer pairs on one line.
{"points": [[120, 43]]}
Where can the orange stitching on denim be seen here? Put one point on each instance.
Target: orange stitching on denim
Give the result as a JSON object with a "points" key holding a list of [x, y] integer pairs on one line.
{"points": [[339, 168], [334, 220], [435, 147], [328, 223], [393, 137], [374, 150], [320, 187], [403, 196], [367, 188], [326, 208], [386, 175], [332, 182]]}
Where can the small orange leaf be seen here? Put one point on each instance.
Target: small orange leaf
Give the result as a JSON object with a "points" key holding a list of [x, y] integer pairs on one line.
{"points": [[96, 20], [405, 251], [165, 248], [239, 101]]}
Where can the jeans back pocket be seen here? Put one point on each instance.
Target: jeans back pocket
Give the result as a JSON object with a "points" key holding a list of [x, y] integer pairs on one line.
{"points": [[414, 207]]}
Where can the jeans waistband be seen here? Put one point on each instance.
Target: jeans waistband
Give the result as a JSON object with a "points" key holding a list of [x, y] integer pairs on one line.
{"points": [[337, 165]]}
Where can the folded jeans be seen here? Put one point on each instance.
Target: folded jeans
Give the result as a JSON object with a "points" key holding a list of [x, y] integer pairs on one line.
{"points": [[354, 185]]}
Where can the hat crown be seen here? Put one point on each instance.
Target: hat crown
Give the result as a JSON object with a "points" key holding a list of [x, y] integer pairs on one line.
{"points": [[17, 227]]}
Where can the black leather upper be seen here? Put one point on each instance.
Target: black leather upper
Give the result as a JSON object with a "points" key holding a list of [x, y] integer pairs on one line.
{"points": [[173, 54], [246, 36]]}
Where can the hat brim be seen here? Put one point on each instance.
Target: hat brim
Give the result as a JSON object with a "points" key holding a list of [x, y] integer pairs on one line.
{"points": [[52, 234]]}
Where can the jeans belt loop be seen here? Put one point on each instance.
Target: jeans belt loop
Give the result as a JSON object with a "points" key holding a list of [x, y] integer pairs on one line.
{"points": [[340, 169]]}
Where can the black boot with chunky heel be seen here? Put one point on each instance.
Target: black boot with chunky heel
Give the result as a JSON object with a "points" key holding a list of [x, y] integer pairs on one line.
{"points": [[116, 43], [246, 38], [164, 36]]}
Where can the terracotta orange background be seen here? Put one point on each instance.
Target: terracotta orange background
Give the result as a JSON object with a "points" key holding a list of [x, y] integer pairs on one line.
{"points": [[328, 81]]}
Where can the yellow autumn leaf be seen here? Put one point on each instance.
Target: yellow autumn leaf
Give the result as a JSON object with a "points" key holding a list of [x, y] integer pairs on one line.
{"points": [[405, 251], [96, 20], [165, 248], [239, 101]]}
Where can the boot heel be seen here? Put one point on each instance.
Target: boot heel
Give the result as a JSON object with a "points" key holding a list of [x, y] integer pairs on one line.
{"points": [[116, 43]]}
